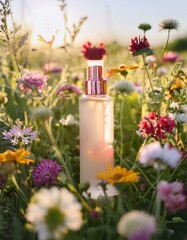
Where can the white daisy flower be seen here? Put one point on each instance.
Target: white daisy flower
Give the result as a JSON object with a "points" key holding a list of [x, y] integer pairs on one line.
{"points": [[69, 120], [170, 156], [137, 225], [53, 212], [158, 156]]}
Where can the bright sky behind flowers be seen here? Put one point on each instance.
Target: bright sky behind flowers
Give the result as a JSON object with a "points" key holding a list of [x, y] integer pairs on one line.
{"points": [[108, 20]]}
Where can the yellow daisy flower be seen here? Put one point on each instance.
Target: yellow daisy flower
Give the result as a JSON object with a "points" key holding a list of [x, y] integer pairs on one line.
{"points": [[19, 156], [118, 175], [122, 69]]}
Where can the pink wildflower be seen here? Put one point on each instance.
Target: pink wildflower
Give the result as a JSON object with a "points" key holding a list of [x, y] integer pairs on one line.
{"points": [[156, 126], [171, 57], [93, 53], [138, 87], [19, 134], [173, 195], [32, 80]]}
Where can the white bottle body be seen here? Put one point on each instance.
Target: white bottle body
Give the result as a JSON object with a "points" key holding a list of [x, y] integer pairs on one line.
{"points": [[96, 119]]}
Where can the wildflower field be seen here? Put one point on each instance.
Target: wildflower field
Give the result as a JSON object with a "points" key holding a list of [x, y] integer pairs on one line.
{"points": [[41, 197]]}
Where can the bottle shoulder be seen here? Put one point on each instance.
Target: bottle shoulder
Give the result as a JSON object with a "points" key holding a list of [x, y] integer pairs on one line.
{"points": [[96, 98]]}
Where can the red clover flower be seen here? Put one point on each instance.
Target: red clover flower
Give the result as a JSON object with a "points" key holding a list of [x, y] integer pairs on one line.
{"points": [[92, 52], [140, 46]]}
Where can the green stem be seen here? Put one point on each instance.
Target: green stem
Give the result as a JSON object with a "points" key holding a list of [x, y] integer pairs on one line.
{"points": [[58, 153], [166, 44], [18, 189], [6, 32], [149, 78], [158, 200], [143, 85], [121, 127]]}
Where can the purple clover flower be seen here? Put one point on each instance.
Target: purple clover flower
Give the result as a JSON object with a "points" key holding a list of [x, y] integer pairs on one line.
{"points": [[31, 80], [45, 173], [19, 134]]}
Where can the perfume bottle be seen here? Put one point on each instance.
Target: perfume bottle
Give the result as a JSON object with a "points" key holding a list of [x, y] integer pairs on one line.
{"points": [[96, 129]]}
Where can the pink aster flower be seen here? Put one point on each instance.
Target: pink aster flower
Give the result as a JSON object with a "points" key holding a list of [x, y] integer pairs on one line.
{"points": [[68, 88], [173, 195], [156, 126], [18, 134], [92, 52], [32, 80], [139, 46], [45, 173], [171, 57], [52, 68]]}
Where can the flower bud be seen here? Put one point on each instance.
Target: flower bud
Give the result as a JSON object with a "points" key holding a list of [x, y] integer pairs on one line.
{"points": [[42, 113]]}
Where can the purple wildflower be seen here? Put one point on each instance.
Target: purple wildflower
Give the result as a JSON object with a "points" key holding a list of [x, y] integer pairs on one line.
{"points": [[32, 80], [52, 68], [69, 88], [45, 173], [2, 179], [173, 195], [95, 213], [19, 134]]}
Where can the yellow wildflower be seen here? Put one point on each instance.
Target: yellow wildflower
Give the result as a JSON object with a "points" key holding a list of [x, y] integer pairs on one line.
{"points": [[19, 156], [118, 175], [122, 69], [174, 85], [178, 84]]}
